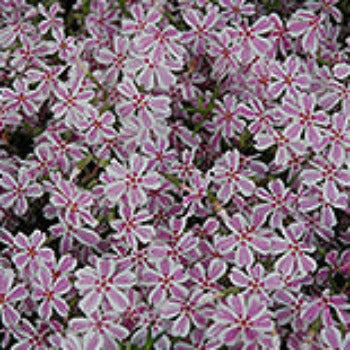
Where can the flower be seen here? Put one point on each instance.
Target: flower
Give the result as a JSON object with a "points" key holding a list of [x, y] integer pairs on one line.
{"points": [[160, 44], [131, 181], [239, 318], [330, 175], [336, 136], [279, 202], [333, 339], [288, 77], [51, 22], [114, 60], [51, 291], [236, 9], [73, 202], [305, 118], [231, 176], [99, 330], [184, 310], [22, 98], [247, 237], [322, 306], [227, 117], [154, 72], [102, 283], [293, 249], [72, 101], [249, 37], [146, 106], [131, 226], [292, 306], [167, 278], [17, 191], [30, 254], [201, 28], [309, 25], [205, 278], [256, 281], [99, 127], [10, 293]]}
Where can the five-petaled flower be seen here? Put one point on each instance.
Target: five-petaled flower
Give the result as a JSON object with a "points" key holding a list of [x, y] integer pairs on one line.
{"points": [[103, 283], [132, 181], [51, 291], [10, 293], [241, 318], [17, 191]]}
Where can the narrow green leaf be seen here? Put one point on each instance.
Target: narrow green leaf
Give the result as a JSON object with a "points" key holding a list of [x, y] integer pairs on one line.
{"points": [[122, 5]]}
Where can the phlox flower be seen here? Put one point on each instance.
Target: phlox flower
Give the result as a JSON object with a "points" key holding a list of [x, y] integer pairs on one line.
{"points": [[132, 227], [256, 281], [328, 176], [132, 180], [323, 306], [165, 279], [293, 249], [239, 318], [250, 38], [102, 283], [146, 106], [18, 190], [30, 254], [185, 310], [246, 237], [333, 340], [73, 202], [99, 331], [10, 294], [50, 291], [229, 173], [201, 28], [309, 26]]}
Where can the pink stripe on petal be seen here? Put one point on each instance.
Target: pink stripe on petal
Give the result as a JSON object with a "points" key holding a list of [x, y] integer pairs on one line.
{"points": [[7, 199], [330, 191], [46, 253], [7, 181], [238, 278], [244, 256], [311, 312], [61, 306], [117, 299], [86, 236], [285, 264], [246, 186], [45, 310], [79, 324], [157, 295], [297, 26], [62, 286], [17, 293], [9, 315], [181, 326], [92, 341], [22, 241], [90, 302], [20, 259], [230, 336], [308, 264], [115, 190]]}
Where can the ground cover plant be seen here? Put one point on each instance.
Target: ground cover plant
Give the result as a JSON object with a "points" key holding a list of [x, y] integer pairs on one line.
{"points": [[174, 174]]}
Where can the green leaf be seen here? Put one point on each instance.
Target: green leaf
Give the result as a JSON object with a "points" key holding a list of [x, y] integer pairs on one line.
{"points": [[122, 5], [85, 161], [173, 179], [316, 325]]}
